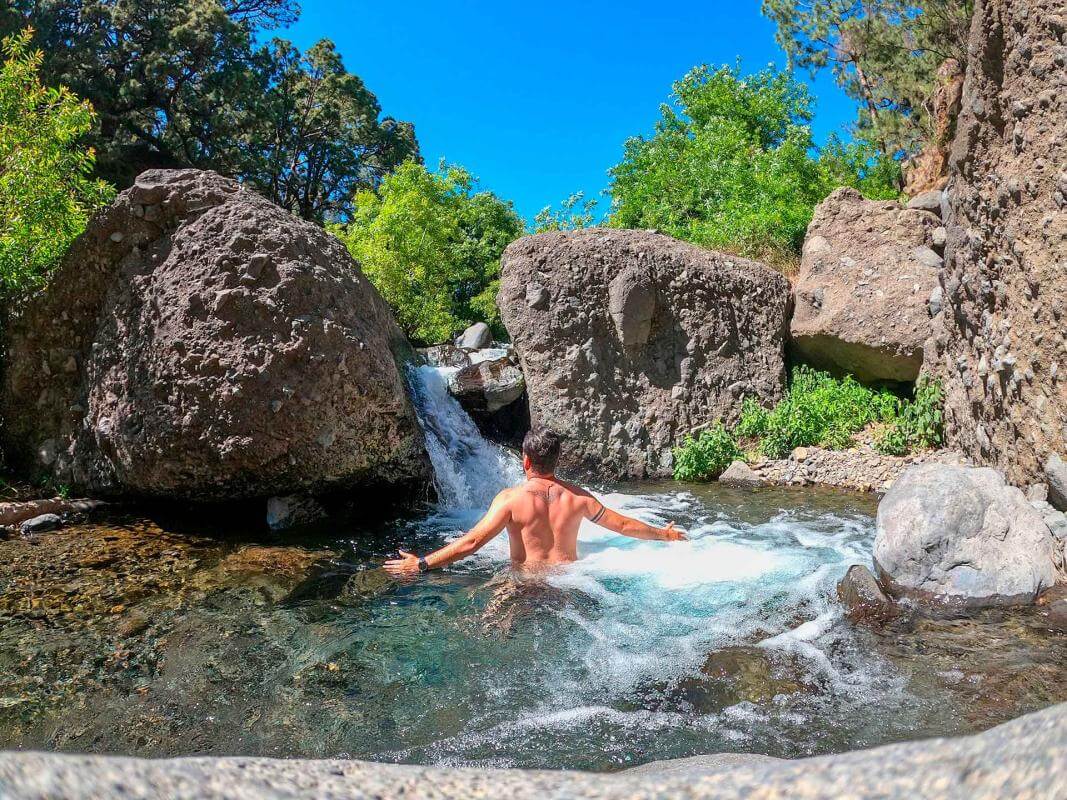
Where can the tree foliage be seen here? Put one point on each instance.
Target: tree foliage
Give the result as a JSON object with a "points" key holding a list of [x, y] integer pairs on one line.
{"points": [[46, 189], [885, 54], [185, 83], [729, 165], [431, 244], [574, 213]]}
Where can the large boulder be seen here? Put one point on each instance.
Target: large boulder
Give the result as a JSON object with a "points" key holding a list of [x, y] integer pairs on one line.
{"points": [[200, 342], [862, 295], [630, 339], [962, 536], [1000, 347]]}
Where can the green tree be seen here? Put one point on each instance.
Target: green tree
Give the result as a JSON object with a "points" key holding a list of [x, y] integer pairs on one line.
{"points": [[432, 247], [315, 137], [573, 214], [861, 165], [885, 54], [727, 166], [46, 189], [730, 166], [185, 83]]}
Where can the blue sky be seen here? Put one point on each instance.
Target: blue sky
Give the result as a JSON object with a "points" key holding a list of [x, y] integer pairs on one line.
{"points": [[536, 99]]}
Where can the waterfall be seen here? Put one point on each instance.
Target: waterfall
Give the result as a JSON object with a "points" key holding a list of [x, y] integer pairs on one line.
{"points": [[468, 470]]}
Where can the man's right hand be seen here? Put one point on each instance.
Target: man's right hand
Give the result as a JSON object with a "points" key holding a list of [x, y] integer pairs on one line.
{"points": [[673, 534]]}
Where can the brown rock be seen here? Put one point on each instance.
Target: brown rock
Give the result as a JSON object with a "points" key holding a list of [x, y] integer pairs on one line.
{"points": [[1000, 347], [224, 348], [641, 339], [866, 276], [863, 598], [740, 474], [929, 169]]}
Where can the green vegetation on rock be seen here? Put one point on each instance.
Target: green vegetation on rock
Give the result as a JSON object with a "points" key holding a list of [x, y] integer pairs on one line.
{"points": [[431, 245], [919, 424], [705, 457], [817, 410], [730, 166], [46, 189]]}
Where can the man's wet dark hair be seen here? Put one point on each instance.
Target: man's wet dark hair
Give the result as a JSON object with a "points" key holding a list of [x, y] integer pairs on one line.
{"points": [[541, 446]]}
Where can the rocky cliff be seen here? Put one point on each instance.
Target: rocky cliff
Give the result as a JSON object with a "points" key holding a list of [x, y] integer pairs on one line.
{"points": [[1000, 345], [200, 342], [630, 339]]}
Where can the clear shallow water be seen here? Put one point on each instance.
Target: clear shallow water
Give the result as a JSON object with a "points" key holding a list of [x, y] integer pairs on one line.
{"points": [[162, 637]]}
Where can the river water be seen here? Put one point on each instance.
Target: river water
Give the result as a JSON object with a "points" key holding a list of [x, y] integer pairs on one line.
{"points": [[152, 636]]}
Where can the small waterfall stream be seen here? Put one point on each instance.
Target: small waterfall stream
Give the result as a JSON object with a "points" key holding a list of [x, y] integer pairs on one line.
{"points": [[468, 470]]}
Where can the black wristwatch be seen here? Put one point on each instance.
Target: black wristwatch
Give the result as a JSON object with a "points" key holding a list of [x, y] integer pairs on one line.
{"points": [[423, 566]]}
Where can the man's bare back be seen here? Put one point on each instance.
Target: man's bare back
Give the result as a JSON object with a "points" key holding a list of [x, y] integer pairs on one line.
{"points": [[542, 517]]}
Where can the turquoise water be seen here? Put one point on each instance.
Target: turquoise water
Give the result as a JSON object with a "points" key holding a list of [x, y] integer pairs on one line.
{"points": [[159, 637]]}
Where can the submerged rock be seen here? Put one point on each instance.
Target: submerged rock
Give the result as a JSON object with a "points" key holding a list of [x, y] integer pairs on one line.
{"points": [[293, 510], [863, 598], [867, 272], [40, 524], [961, 535], [628, 340], [735, 675], [218, 348]]}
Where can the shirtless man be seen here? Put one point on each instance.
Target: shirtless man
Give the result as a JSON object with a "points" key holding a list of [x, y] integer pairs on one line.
{"points": [[542, 517]]}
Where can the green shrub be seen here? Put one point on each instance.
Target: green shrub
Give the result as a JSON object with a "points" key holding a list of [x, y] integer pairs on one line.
{"points": [[919, 424], [705, 457], [46, 190], [731, 165], [431, 245], [818, 409]]}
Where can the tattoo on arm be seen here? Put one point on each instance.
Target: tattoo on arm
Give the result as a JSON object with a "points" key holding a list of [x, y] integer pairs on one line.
{"points": [[596, 517]]}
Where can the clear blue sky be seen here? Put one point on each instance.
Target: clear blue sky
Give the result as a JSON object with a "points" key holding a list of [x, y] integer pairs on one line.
{"points": [[536, 98]]}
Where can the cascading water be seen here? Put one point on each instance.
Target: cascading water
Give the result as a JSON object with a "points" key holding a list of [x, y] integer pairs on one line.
{"points": [[468, 470]]}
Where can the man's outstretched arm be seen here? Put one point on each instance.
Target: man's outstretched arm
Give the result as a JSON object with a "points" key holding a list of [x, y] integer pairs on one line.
{"points": [[628, 526], [489, 526]]}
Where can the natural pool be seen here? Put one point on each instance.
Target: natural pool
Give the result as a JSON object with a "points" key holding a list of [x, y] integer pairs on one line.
{"points": [[145, 635]]}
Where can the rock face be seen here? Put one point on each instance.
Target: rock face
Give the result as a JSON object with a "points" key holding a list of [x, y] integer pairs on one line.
{"points": [[962, 536], [1020, 759], [200, 342], [929, 169], [475, 337], [863, 291], [1000, 347], [630, 339]]}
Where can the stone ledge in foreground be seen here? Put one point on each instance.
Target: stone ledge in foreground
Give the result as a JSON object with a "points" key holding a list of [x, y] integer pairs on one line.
{"points": [[1025, 758]]}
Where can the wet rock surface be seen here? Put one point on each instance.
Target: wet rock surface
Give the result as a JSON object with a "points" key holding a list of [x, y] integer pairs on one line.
{"points": [[961, 535], [866, 275], [863, 597], [630, 339], [199, 342], [1000, 347]]}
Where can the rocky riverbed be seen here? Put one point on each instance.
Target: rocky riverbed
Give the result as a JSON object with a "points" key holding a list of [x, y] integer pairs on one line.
{"points": [[144, 636]]}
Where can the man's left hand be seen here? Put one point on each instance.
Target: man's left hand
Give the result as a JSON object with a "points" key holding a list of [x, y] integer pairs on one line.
{"points": [[405, 566]]}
